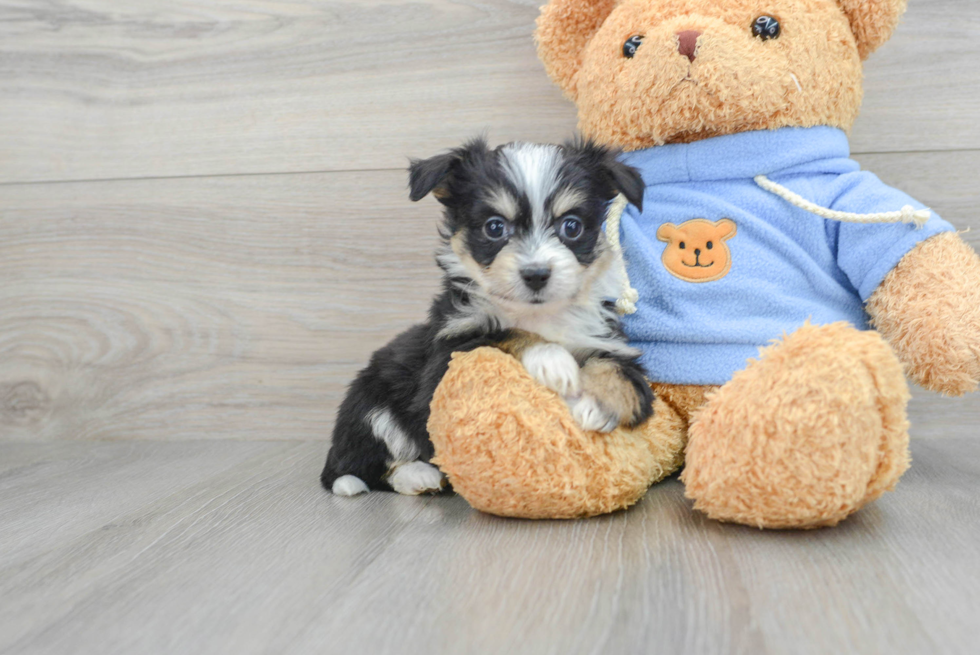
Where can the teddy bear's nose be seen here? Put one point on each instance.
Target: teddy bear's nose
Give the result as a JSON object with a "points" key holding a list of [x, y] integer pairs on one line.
{"points": [[687, 42], [697, 252]]}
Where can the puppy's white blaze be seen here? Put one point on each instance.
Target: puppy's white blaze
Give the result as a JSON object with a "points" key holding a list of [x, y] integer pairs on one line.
{"points": [[348, 485], [416, 478], [534, 169], [386, 429], [554, 367]]}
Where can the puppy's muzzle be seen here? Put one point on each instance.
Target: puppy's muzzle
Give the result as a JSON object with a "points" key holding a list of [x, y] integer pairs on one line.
{"points": [[536, 278]]}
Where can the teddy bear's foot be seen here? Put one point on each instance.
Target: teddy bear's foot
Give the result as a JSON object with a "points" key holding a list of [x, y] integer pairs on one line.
{"points": [[804, 436]]}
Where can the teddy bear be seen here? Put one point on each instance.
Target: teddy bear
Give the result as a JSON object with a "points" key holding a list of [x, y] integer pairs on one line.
{"points": [[783, 295]]}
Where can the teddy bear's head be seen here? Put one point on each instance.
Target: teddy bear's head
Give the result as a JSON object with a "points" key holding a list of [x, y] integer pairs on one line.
{"points": [[649, 72], [696, 250]]}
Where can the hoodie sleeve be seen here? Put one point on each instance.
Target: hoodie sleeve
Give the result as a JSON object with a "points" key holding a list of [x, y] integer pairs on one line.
{"points": [[867, 252]]}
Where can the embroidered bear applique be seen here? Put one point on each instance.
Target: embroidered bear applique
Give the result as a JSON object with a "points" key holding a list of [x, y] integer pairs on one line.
{"points": [[696, 250]]}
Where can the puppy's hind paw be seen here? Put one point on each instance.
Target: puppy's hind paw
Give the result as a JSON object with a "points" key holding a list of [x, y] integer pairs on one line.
{"points": [[416, 478], [554, 367], [589, 413]]}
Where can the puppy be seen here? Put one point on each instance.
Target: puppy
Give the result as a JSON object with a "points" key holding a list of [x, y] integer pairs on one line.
{"points": [[527, 270]]}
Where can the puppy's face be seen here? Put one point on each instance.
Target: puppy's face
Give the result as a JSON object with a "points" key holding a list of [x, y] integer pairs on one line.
{"points": [[524, 221]]}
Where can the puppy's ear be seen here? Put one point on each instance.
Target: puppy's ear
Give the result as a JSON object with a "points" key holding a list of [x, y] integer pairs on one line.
{"points": [[434, 175], [872, 21], [427, 175], [627, 181], [604, 163]]}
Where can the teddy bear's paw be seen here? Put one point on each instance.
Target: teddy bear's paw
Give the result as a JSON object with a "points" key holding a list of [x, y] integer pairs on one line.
{"points": [[592, 415], [416, 478], [554, 367]]}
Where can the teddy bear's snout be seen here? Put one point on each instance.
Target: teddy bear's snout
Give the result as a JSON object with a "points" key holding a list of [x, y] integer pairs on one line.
{"points": [[687, 43]]}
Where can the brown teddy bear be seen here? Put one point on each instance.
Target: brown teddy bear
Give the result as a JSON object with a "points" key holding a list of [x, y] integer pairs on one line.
{"points": [[784, 294]]}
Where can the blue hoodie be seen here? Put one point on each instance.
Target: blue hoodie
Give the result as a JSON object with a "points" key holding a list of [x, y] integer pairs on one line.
{"points": [[787, 265]]}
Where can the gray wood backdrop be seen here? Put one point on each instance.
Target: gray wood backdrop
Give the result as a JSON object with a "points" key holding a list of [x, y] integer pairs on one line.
{"points": [[204, 228]]}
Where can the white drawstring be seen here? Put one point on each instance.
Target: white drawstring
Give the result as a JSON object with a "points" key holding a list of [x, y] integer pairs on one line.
{"points": [[626, 304], [908, 213]]}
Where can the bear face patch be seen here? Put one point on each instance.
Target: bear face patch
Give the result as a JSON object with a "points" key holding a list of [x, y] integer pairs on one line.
{"points": [[696, 250]]}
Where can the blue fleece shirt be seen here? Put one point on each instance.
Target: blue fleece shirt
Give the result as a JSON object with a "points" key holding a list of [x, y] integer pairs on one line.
{"points": [[786, 265]]}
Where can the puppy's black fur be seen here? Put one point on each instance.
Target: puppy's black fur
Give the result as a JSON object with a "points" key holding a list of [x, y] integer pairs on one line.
{"points": [[403, 375]]}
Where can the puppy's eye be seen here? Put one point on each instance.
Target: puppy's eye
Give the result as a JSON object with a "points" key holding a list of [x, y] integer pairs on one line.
{"points": [[710, 245], [683, 245], [495, 228], [766, 27], [571, 228], [632, 43]]}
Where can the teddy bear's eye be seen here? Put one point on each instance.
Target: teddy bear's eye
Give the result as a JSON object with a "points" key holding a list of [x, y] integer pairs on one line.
{"points": [[683, 245], [766, 27], [710, 245], [632, 43]]}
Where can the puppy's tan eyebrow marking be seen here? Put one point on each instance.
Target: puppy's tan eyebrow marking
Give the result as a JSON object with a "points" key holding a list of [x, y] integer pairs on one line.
{"points": [[566, 199], [503, 202]]}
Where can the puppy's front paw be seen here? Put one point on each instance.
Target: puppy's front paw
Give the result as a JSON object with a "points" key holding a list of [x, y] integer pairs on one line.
{"points": [[589, 413], [416, 478], [554, 367]]}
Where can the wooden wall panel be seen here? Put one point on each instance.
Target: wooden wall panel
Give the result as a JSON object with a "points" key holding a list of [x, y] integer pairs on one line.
{"points": [[96, 89]]}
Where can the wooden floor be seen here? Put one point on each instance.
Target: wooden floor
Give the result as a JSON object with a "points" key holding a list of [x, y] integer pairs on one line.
{"points": [[205, 231], [230, 547]]}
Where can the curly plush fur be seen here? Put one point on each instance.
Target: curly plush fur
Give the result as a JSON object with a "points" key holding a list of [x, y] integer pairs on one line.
{"points": [[641, 102], [826, 434], [813, 429], [928, 309], [511, 447]]}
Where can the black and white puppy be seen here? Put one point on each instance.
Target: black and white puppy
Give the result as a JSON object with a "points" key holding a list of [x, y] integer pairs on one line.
{"points": [[527, 270]]}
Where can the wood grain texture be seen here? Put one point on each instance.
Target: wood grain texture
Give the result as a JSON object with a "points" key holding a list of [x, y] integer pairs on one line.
{"points": [[96, 89], [241, 307], [197, 308], [256, 558]]}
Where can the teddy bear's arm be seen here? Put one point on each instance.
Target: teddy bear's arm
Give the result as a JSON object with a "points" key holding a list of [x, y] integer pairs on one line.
{"points": [[928, 308]]}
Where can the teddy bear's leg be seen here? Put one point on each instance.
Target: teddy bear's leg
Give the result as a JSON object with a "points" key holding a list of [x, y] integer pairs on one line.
{"points": [[511, 447], [685, 399], [928, 308], [805, 435]]}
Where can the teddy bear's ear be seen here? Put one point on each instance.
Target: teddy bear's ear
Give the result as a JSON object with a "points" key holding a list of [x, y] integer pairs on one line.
{"points": [[872, 21], [667, 232], [565, 27], [726, 229]]}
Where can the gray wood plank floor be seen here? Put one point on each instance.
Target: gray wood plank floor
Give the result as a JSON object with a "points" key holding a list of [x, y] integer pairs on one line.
{"points": [[231, 547]]}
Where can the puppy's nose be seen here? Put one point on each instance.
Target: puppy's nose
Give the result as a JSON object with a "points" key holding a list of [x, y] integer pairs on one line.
{"points": [[536, 278], [687, 43], [697, 252]]}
